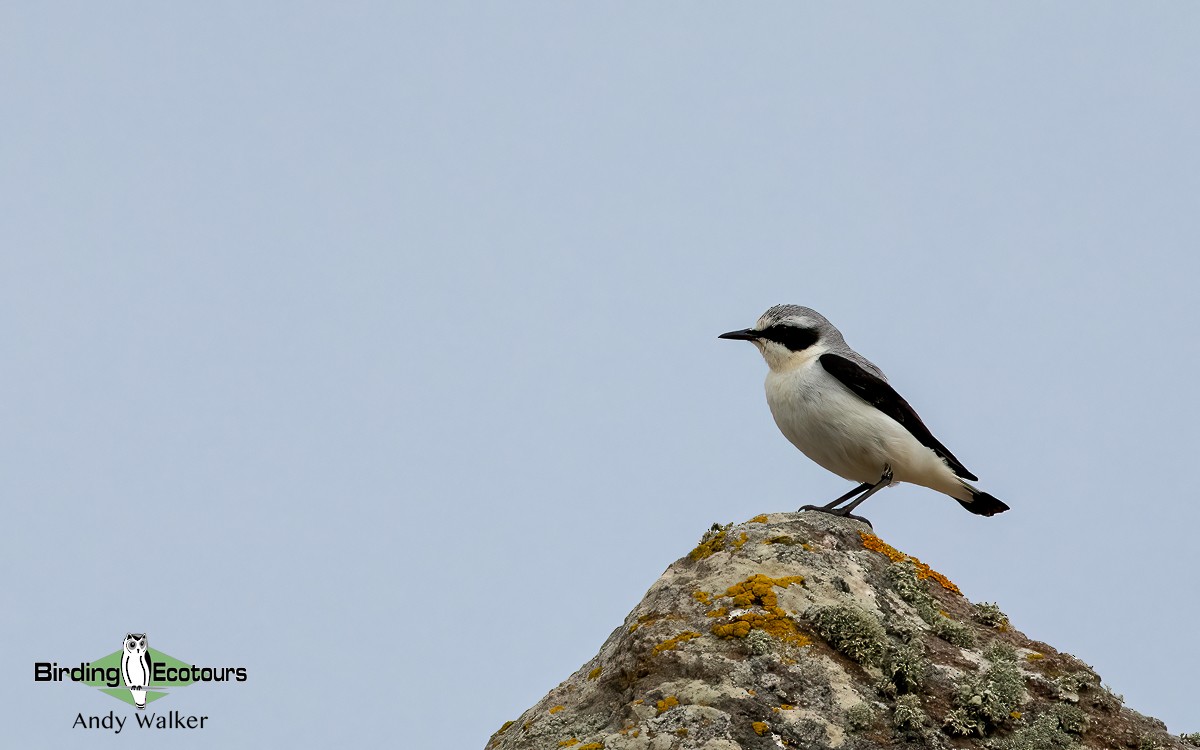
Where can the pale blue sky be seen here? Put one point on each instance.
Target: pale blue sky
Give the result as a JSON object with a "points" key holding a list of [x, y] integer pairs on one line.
{"points": [[373, 348]]}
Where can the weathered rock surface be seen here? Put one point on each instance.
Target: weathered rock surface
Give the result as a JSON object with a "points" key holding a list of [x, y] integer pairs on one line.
{"points": [[807, 631]]}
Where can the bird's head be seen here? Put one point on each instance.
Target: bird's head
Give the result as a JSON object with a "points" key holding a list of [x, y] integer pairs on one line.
{"points": [[789, 335]]}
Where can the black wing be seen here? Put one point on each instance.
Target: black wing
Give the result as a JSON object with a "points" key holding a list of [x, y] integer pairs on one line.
{"points": [[876, 392]]}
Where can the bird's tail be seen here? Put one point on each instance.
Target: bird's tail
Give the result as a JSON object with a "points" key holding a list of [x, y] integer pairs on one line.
{"points": [[983, 504]]}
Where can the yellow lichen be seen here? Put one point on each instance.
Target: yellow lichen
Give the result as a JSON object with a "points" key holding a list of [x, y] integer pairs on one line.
{"points": [[639, 701], [651, 618], [772, 623], [761, 518], [702, 596], [709, 546], [752, 692], [682, 731], [760, 728], [874, 543], [783, 707], [1015, 714], [671, 643], [666, 704], [593, 746], [503, 727], [1035, 656], [759, 590], [595, 673], [718, 612], [556, 709], [568, 743], [740, 541]]}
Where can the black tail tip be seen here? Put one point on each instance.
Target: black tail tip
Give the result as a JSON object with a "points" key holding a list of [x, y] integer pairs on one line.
{"points": [[983, 504]]}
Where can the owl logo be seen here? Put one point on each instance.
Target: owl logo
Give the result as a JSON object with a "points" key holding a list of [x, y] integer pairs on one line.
{"points": [[135, 667]]}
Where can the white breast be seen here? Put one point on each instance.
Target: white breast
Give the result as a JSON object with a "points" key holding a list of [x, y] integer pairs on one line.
{"points": [[846, 435]]}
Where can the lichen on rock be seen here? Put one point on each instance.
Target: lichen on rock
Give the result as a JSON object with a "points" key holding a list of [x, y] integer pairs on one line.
{"points": [[809, 631]]}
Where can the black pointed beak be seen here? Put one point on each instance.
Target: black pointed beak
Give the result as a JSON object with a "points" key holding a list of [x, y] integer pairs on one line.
{"points": [[746, 334]]}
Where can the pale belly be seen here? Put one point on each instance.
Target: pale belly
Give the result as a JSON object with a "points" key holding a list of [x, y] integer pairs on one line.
{"points": [[843, 434]]}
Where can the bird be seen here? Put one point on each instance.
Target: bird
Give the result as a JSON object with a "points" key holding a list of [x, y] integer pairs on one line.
{"points": [[837, 407]]}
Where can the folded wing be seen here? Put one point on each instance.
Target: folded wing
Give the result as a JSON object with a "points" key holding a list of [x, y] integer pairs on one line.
{"points": [[876, 392]]}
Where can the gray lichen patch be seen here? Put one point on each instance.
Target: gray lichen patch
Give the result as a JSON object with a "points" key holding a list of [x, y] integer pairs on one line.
{"points": [[989, 614], [989, 700], [908, 713], [852, 631], [1058, 728]]}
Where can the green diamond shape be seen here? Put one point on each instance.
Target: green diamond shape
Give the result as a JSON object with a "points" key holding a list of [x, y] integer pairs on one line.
{"points": [[156, 657]]}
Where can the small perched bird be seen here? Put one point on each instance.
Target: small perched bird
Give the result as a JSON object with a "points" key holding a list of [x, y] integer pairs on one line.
{"points": [[837, 407]]}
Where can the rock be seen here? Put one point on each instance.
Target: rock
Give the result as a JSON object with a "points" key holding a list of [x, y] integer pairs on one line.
{"points": [[807, 631]]}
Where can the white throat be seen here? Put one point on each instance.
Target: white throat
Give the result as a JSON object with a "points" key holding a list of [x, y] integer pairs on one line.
{"points": [[781, 359]]}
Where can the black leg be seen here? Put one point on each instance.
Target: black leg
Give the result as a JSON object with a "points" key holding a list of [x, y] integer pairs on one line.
{"points": [[844, 511], [860, 488]]}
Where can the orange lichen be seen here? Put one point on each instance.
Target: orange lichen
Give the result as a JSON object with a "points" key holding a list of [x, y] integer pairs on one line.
{"points": [[759, 591], [1015, 714], [593, 746], [875, 544], [556, 709], [702, 596], [783, 707], [568, 743], [1035, 656], [740, 541], [718, 612], [761, 518], [671, 643], [595, 673], [924, 571], [666, 704], [760, 727], [872, 542], [752, 692]]}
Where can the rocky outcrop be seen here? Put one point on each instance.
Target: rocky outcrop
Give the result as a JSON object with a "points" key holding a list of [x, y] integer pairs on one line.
{"points": [[808, 631]]}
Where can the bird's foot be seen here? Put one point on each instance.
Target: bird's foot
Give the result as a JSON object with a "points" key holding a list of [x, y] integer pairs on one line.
{"points": [[836, 512]]}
